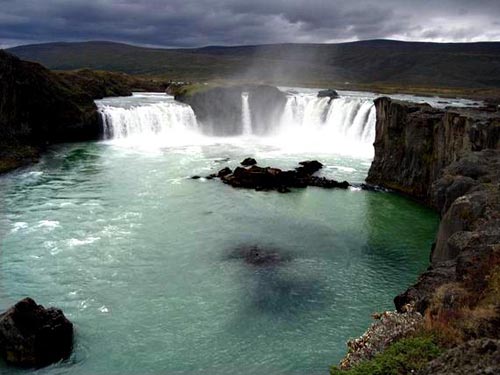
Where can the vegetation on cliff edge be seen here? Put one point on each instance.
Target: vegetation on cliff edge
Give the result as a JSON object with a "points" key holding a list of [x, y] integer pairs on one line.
{"points": [[403, 357]]}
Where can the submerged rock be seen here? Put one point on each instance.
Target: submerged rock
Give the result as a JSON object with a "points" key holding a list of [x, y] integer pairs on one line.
{"points": [[259, 256], [33, 336]]}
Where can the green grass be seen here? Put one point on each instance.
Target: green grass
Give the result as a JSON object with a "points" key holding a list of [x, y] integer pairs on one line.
{"points": [[402, 357]]}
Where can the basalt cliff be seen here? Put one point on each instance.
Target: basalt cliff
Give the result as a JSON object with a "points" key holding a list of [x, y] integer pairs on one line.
{"points": [[449, 160]]}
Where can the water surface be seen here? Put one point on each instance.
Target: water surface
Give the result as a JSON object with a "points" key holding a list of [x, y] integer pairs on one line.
{"points": [[141, 257]]}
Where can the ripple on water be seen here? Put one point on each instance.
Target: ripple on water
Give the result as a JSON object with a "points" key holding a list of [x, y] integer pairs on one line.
{"points": [[137, 257]]}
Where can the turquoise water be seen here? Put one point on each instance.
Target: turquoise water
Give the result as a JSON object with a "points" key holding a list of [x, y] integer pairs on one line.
{"points": [[138, 256]]}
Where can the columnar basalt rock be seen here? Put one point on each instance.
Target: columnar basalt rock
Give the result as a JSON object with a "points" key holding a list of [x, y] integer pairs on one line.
{"points": [[415, 142], [449, 160]]}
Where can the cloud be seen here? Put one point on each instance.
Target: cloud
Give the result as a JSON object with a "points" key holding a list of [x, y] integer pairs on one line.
{"points": [[189, 23]]}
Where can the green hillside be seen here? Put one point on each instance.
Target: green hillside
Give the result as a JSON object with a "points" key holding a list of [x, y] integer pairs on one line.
{"points": [[466, 65]]}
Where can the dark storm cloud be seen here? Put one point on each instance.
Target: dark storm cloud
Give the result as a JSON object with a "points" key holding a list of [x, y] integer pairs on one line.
{"points": [[228, 22]]}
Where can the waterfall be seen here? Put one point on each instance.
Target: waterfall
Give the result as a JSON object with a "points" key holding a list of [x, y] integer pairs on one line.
{"points": [[246, 117], [306, 122], [346, 117], [147, 119]]}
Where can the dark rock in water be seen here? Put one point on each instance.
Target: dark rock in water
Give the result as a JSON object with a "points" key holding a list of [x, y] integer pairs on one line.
{"points": [[224, 172], [254, 178], [268, 178], [248, 162], [211, 176], [258, 256], [283, 189], [309, 167], [326, 183], [369, 187], [33, 336], [195, 177], [330, 93]]}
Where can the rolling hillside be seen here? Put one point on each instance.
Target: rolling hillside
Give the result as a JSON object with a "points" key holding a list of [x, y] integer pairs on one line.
{"points": [[467, 65]]}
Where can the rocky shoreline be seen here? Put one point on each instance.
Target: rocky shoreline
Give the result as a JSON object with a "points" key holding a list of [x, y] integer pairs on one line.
{"points": [[448, 160]]}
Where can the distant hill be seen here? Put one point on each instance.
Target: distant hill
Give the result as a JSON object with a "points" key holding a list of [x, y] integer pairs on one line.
{"points": [[468, 65]]}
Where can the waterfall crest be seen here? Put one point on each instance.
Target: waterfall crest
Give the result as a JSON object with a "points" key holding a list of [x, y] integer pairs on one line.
{"points": [[156, 119], [319, 124]]}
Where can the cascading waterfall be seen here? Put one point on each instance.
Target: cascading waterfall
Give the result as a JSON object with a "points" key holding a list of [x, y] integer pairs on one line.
{"points": [[345, 124], [163, 119], [246, 117], [345, 117]]}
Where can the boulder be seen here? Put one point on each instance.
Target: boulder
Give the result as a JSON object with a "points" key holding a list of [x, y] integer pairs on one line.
{"points": [[248, 162], [33, 336], [224, 172], [309, 167], [268, 178]]}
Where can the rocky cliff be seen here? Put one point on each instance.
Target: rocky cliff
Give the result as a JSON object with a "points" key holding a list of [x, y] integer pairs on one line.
{"points": [[39, 107], [220, 108], [450, 160], [415, 142]]}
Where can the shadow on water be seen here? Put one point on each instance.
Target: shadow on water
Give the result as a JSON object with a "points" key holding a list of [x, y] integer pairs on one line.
{"points": [[273, 283]]}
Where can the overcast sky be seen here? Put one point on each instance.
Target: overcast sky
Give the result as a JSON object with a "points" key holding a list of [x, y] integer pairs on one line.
{"points": [[193, 23]]}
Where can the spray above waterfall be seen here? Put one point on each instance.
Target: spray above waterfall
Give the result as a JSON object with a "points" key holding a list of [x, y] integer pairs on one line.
{"points": [[301, 122]]}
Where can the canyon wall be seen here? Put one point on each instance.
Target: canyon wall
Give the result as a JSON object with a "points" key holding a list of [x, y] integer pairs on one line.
{"points": [[450, 160], [415, 142]]}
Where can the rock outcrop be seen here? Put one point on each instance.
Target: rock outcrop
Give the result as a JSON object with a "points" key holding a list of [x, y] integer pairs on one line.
{"points": [[474, 357], [415, 142], [33, 336], [220, 108], [450, 160], [39, 107], [269, 178], [329, 93]]}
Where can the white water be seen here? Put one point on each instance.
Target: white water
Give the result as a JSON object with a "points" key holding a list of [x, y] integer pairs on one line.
{"points": [[246, 116], [345, 125], [307, 124], [152, 119]]}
